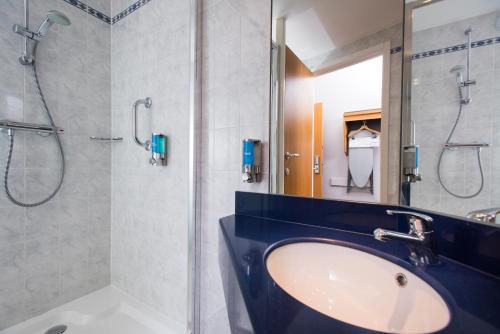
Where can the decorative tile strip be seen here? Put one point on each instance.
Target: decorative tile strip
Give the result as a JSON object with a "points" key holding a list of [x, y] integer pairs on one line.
{"points": [[97, 14], [87, 9], [455, 48], [129, 10], [103, 17], [138, 4]]}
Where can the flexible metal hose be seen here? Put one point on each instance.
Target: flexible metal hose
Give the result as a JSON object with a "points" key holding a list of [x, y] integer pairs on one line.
{"points": [[444, 149], [56, 136]]}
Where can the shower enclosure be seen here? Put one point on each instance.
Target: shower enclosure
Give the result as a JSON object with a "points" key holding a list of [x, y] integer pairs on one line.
{"points": [[92, 236], [450, 111]]}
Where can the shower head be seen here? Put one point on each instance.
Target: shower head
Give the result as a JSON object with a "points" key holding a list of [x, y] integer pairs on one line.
{"points": [[458, 70], [53, 16]]}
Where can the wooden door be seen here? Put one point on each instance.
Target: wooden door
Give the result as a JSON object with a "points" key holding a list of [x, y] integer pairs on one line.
{"points": [[298, 107], [318, 151]]}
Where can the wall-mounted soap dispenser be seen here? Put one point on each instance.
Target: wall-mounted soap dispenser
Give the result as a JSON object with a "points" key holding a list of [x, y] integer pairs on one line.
{"points": [[158, 150], [411, 159], [251, 164]]}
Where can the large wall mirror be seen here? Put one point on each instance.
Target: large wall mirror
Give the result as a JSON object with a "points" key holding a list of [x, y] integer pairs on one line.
{"points": [[451, 110], [336, 88], [388, 101]]}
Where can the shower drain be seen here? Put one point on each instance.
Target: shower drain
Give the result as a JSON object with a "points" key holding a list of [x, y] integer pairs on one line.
{"points": [[59, 329], [401, 280]]}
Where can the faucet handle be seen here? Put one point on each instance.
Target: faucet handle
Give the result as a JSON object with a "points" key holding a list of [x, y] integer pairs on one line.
{"points": [[411, 214], [419, 222], [485, 215]]}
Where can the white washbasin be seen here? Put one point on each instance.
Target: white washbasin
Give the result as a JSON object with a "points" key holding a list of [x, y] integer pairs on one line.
{"points": [[357, 288]]}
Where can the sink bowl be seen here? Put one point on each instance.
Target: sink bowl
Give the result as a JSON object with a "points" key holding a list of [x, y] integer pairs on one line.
{"points": [[358, 288]]}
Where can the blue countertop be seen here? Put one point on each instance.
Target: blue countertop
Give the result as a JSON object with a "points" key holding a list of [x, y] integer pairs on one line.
{"points": [[473, 296]]}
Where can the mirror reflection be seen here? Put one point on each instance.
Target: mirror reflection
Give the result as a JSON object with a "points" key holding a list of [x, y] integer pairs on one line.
{"points": [[453, 106], [336, 86]]}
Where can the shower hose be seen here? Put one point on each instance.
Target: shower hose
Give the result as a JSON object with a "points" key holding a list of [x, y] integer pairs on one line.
{"points": [[55, 134], [448, 140]]}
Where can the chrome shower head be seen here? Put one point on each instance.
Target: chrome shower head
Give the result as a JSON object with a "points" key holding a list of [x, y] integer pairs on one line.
{"points": [[458, 70], [53, 16]]}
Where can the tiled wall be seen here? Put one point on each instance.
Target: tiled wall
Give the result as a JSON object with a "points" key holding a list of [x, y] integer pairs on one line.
{"points": [[103, 6], [59, 251], [434, 110], [235, 105], [150, 57]]}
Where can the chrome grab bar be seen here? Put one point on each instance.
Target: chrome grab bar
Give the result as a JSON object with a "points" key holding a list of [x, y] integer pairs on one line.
{"points": [[147, 102], [22, 126]]}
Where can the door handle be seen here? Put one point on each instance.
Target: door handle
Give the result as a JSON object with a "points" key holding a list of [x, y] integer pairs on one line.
{"points": [[317, 165], [289, 155]]}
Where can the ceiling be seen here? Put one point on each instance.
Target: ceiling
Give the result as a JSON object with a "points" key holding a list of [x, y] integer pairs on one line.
{"points": [[444, 12], [317, 27]]}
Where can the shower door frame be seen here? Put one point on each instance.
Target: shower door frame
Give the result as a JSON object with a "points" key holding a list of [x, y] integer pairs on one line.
{"points": [[406, 121], [194, 254]]}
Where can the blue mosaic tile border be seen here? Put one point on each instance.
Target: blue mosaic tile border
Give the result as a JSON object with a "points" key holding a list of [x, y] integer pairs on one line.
{"points": [[129, 10], [455, 48], [449, 49], [103, 17], [88, 9], [138, 4]]}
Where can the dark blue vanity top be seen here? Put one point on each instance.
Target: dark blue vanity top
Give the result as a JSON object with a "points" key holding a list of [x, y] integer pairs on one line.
{"points": [[467, 277]]}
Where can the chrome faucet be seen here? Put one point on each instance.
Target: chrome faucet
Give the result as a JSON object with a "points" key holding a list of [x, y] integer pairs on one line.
{"points": [[419, 238], [485, 215]]}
